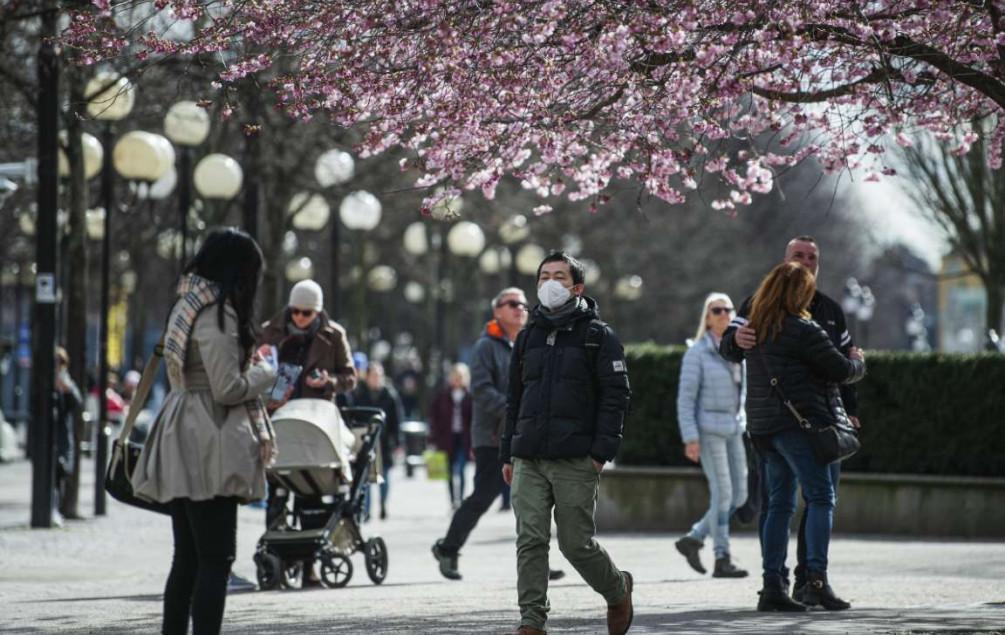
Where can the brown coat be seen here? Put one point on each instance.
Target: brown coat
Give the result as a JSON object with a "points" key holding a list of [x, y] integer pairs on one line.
{"points": [[328, 350]]}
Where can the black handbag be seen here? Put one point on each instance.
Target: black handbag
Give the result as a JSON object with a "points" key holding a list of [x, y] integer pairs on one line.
{"points": [[835, 442], [126, 453]]}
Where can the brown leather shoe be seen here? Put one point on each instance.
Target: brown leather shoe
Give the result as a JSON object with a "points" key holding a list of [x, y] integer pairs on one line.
{"points": [[529, 630], [619, 616]]}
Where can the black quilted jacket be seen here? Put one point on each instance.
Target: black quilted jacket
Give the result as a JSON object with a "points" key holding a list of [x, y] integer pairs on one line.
{"points": [[809, 370]]}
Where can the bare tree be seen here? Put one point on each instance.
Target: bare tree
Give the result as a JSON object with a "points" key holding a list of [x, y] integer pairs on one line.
{"points": [[967, 200]]}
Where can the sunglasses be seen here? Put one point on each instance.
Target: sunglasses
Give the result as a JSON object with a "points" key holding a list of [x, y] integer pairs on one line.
{"points": [[303, 312], [513, 304], [719, 310]]}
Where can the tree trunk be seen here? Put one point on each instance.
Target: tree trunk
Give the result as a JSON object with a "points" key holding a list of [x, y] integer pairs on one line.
{"points": [[995, 289], [76, 283]]}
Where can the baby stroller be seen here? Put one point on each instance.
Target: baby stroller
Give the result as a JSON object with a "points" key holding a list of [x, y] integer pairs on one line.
{"points": [[325, 464]]}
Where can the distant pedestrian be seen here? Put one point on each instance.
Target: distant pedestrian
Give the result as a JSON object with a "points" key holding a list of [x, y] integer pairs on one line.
{"points": [[375, 392], [794, 357], [211, 440], [568, 395], [450, 428], [68, 402], [712, 421]]}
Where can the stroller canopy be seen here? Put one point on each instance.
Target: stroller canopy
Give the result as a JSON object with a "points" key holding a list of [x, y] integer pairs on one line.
{"points": [[310, 433]]}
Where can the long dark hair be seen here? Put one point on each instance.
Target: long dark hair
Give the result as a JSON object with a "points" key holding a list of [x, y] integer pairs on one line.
{"points": [[232, 259]]}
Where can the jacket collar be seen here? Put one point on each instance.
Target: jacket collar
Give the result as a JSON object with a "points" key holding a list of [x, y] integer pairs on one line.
{"points": [[588, 309]]}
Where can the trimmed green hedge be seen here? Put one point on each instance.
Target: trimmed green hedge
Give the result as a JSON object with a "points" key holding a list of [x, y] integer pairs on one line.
{"points": [[922, 413]]}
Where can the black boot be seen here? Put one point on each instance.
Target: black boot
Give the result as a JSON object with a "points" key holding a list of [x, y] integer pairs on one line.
{"points": [[775, 597], [819, 593], [689, 547], [726, 569], [447, 561]]}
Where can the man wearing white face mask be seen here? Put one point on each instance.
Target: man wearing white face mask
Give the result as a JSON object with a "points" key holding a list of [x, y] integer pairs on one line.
{"points": [[567, 398]]}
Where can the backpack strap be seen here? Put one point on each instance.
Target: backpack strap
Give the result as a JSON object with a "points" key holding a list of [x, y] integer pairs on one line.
{"points": [[593, 340]]}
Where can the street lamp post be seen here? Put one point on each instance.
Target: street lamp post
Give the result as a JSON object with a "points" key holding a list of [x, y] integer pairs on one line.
{"points": [[360, 211], [334, 169], [514, 230], [186, 125], [466, 240], [110, 99]]}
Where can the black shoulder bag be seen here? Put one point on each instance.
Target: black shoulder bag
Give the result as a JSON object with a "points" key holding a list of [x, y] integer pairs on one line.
{"points": [[835, 442], [126, 453]]}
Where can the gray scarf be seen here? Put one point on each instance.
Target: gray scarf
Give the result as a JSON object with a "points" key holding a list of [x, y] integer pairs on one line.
{"points": [[563, 311]]}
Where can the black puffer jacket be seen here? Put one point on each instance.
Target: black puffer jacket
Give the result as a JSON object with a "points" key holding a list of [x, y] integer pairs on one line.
{"points": [[558, 406], [809, 369]]}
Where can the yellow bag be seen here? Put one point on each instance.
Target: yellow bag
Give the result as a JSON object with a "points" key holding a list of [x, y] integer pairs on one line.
{"points": [[436, 464]]}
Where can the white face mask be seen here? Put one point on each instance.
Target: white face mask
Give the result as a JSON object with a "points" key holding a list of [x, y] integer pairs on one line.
{"points": [[552, 294]]}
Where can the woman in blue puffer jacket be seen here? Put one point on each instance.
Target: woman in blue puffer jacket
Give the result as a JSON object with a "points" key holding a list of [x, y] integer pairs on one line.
{"points": [[712, 421]]}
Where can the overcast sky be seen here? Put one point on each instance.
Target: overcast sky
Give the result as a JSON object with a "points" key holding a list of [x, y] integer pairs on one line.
{"points": [[893, 218]]}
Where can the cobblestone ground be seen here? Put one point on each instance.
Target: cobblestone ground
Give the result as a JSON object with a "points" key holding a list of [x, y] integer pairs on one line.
{"points": [[106, 575]]}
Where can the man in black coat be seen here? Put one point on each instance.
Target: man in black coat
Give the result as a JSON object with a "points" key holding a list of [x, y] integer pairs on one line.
{"points": [[739, 338], [568, 395]]}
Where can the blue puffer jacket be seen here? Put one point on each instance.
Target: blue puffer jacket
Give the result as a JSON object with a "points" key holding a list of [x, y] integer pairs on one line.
{"points": [[709, 400]]}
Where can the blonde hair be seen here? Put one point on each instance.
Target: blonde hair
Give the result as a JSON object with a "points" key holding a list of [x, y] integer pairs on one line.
{"points": [[703, 322], [461, 369], [787, 290]]}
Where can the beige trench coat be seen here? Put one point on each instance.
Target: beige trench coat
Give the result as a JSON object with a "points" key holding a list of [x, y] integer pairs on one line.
{"points": [[202, 443]]}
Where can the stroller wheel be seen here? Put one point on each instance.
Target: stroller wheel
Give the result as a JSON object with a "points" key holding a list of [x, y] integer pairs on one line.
{"points": [[291, 575], [269, 570], [336, 570], [376, 559]]}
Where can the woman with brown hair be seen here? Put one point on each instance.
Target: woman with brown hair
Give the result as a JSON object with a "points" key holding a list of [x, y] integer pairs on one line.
{"points": [[795, 353]]}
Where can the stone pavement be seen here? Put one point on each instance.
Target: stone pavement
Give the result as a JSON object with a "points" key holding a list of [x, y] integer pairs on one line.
{"points": [[106, 575]]}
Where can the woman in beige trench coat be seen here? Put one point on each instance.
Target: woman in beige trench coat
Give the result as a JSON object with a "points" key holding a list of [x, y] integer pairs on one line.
{"points": [[211, 440]]}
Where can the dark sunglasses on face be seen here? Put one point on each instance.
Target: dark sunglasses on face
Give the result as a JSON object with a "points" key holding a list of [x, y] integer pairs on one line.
{"points": [[719, 310], [303, 312], [513, 304]]}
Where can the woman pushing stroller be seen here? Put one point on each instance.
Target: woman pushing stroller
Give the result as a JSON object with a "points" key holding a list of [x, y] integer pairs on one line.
{"points": [[314, 360]]}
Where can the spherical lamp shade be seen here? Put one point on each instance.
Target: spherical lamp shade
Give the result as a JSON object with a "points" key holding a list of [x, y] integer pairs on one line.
{"points": [[466, 239], [93, 155], [186, 123], [218, 176], [628, 288], [162, 188], [299, 269], [382, 278], [415, 292], [26, 223], [310, 211], [415, 240], [529, 258], [592, 275], [168, 244], [142, 156], [447, 208], [514, 230], [334, 167], [94, 221], [360, 210], [109, 97], [494, 260]]}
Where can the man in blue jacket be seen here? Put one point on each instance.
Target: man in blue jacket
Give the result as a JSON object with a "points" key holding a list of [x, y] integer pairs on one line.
{"points": [[568, 395]]}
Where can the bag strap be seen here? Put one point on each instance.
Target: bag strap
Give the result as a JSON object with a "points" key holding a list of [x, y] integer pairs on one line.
{"points": [[777, 387], [143, 390]]}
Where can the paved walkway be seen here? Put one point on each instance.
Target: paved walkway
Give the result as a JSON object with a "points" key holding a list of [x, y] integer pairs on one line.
{"points": [[106, 576]]}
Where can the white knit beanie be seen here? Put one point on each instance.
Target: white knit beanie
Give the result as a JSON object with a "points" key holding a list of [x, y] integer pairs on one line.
{"points": [[307, 294]]}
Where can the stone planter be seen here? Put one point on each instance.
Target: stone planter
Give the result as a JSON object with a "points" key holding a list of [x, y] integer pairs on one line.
{"points": [[671, 499]]}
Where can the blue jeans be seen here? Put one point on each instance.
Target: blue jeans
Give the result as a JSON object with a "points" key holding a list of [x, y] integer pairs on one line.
{"points": [[788, 459], [724, 461]]}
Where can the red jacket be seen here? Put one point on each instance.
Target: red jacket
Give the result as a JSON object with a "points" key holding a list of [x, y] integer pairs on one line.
{"points": [[441, 415]]}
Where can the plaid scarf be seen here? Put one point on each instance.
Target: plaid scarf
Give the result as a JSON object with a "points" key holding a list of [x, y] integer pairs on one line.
{"points": [[194, 295]]}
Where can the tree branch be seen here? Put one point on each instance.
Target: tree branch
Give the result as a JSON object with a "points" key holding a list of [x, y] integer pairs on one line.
{"points": [[876, 76]]}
